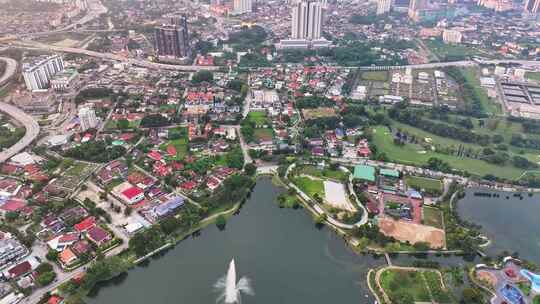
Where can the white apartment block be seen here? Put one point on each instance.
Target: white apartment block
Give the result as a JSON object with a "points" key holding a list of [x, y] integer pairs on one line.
{"points": [[39, 72]]}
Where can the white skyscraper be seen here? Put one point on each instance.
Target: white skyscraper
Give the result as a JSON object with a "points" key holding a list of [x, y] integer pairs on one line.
{"points": [[38, 72], [306, 25], [242, 6], [307, 20], [88, 119], [383, 6]]}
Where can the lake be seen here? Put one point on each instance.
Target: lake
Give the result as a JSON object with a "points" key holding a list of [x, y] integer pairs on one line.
{"points": [[286, 257], [508, 221]]}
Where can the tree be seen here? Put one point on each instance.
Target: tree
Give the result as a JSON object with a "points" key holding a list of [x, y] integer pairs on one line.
{"points": [[122, 124], [46, 278], [471, 296], [202, 76], [221, 222], [154, 120], [52, 255], [11, 216], [235, 159], [250, 169], [128, 210]]}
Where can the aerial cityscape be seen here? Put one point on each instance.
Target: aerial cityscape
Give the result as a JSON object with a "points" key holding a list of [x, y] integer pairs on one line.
{"points": [[281, 151]]}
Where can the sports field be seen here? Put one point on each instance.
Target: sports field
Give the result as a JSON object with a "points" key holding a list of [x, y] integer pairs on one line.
{"points": [[310, 186], [429, 185]]}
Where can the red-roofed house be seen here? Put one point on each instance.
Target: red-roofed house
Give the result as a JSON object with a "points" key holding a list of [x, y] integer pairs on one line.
{"points": [[12, 206], [20, 269], [154, 155], [132, 195], [98, 235], [189, 185], [161, 169], [213, 183], [54, 299], [85, 224], [67, 257], [171, 149]]}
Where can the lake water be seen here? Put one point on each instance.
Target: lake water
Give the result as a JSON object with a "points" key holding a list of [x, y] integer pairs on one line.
{"points": [[508, 221], [280, 250]]}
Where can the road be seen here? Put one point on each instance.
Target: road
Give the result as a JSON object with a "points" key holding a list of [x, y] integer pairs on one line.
{"points": [[11, 68], [114, 57], [30, 124], [244, 146]]}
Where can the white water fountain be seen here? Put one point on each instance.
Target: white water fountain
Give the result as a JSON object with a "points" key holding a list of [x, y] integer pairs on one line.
{"points": [[229, 289]]}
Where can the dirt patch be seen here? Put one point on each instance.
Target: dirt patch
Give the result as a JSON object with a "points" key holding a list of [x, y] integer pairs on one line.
{"points": [[411, 232], [487, 277]]}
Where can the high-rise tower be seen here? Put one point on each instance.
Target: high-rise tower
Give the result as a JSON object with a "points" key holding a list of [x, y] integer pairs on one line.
{"points": [[383, 6], [173, 39], [532, 6], [242, 6]]}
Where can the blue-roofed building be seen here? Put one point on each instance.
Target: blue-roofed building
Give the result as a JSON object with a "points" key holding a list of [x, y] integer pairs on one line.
{"points": [[168, 207], [340, 133]]}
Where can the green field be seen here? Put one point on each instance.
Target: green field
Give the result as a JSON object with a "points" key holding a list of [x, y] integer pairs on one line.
{"points": [[533, 75], [453, 51], [416, 155], [310, 186], [375, 75], [327, 172], [259, 118], [181, 146], [395, 282], [112, 124], [76, 169], [432, 217], [429, 185]]}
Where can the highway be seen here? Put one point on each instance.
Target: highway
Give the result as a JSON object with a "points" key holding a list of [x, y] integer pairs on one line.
{"points": [[11, 68], [109, 56], [30, 124]]}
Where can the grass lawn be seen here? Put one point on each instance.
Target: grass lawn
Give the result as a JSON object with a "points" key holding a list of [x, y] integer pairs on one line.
{"points": [[259, 118], [432, 217], [536, 300], [423, 183], [181, 146], [489, 106], [263, 134], [76, 169], [375, 75], [111, 124], [309, 186], [533, 76], [327, 172], [415, 155], [442, 49], [401, 281]]}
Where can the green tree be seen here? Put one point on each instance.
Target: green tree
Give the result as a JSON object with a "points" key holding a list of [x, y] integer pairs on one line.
{"points": [[52, 255], [122, 124], [202, 76], [221, 222], [250, 169], [46, 278]]}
